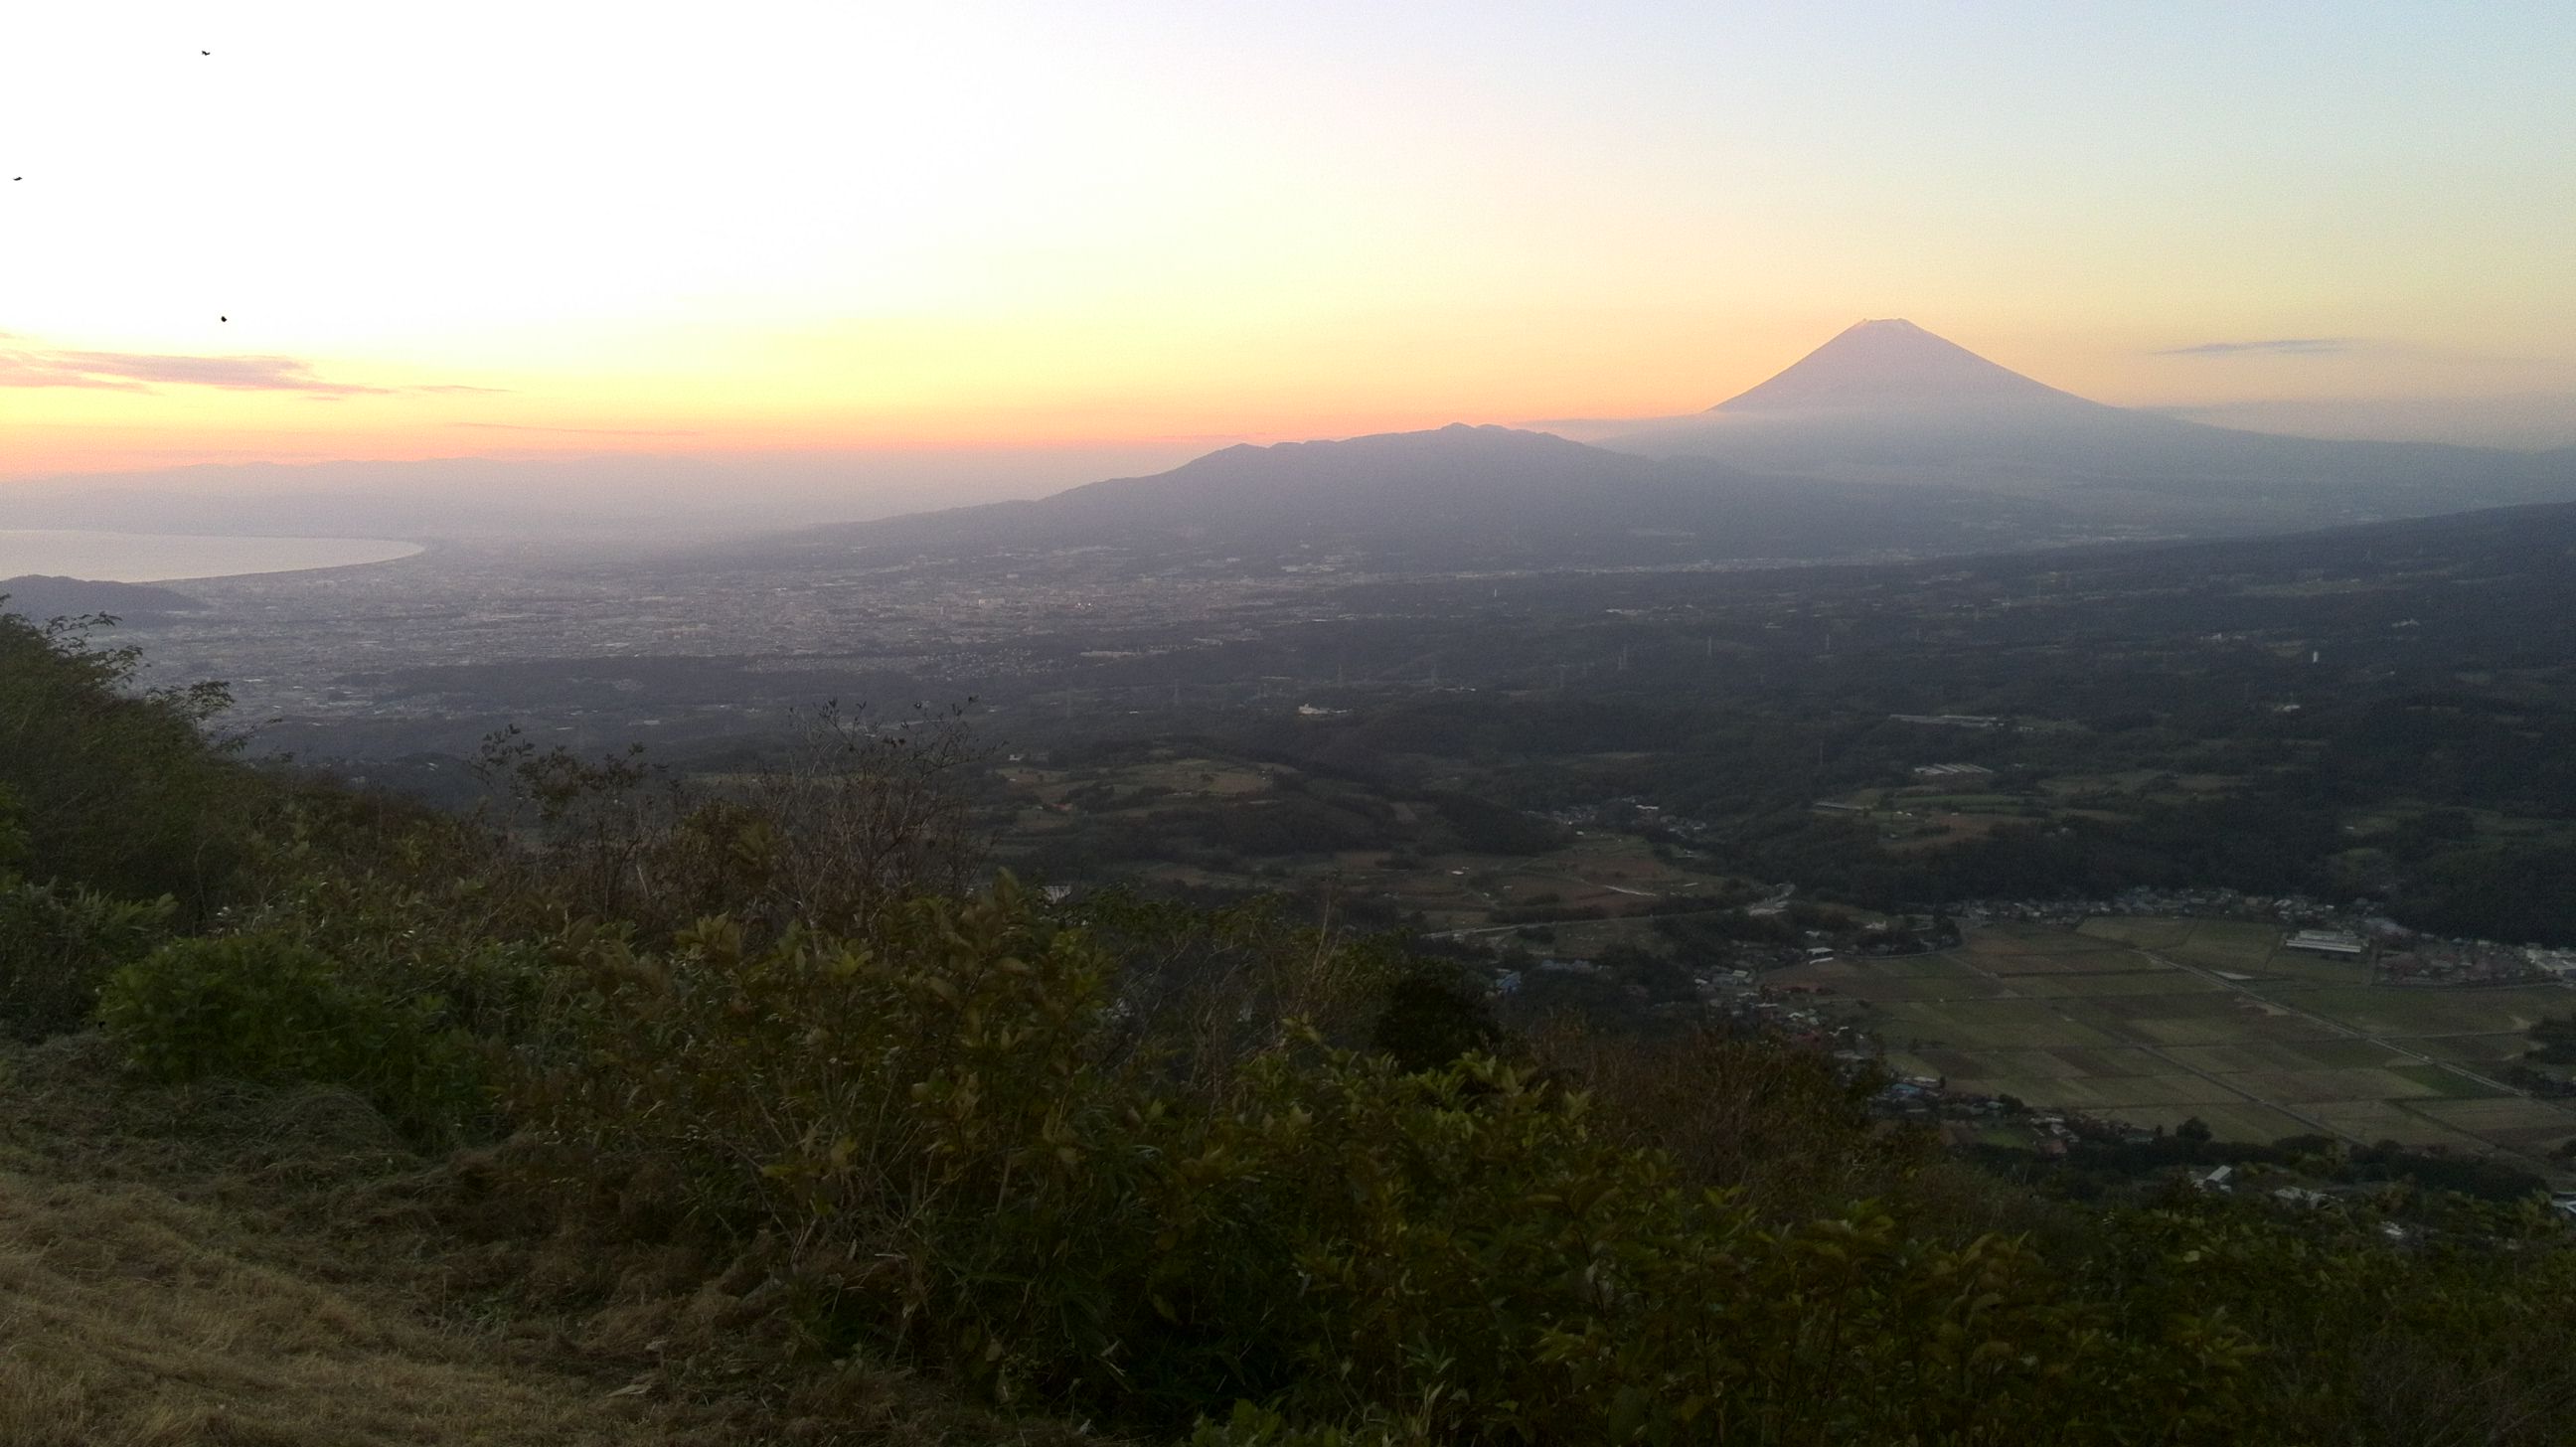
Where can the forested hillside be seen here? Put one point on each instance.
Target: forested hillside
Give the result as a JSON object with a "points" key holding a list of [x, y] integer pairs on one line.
{"points": [[773, 1113]]}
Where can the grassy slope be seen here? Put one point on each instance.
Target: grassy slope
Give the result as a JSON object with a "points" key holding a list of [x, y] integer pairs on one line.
{"points": [[274, 1269], [208, 1283]]}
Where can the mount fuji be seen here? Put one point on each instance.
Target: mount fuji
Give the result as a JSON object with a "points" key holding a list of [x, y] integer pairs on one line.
{"points": [[1894, 365], [1888, 402]]}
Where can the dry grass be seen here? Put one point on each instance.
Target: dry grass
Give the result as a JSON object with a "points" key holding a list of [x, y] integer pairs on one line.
{"points": [[132, 1317], [235, 1267], [241, 1268]]}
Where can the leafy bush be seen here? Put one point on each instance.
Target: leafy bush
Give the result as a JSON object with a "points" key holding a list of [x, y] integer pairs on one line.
{"points": [[58, 946], [925, 1109], [242, 1008], [267, 1007]]}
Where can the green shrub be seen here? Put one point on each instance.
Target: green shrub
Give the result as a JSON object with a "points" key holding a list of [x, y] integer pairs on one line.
{"points": [[246, 1007], [1458, 1253], [981, 1178], [923, 1109], [59, 945], [269, 1008], [425, 929]]}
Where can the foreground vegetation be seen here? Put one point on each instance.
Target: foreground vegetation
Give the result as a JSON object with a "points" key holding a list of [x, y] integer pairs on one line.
{"points": [[768, 1096]]}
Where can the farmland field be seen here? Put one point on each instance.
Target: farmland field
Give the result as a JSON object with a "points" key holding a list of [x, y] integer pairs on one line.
{"points": [[2474, 1051], [2155, 1021], [2401, 1011], [2132, 982], [2234, 946]]}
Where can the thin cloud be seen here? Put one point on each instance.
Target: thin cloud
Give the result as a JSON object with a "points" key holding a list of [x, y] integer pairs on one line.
{"points": [[2277, 346], [148, 371], [586, 431], [24, 369], [232, 374]]}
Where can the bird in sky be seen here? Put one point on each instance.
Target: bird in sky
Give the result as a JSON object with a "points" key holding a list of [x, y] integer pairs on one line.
{"points": [[223, 319], [205, 52]]}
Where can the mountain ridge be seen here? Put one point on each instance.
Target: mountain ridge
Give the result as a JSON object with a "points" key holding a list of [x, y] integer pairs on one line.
{"points": [[1456, 496], [41, 596]]}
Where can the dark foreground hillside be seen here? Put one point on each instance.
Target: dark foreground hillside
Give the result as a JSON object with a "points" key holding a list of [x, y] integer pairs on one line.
{"points": [[766, 1115]]}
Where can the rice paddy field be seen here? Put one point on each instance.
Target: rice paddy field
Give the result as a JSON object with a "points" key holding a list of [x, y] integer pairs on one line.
{"points": [[2156, 1021]]}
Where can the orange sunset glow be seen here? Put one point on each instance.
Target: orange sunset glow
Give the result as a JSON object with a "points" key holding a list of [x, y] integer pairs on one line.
{"points": [[817, 227]]}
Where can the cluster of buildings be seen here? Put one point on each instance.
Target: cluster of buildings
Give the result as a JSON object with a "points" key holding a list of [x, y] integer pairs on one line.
{"points": [[1966, 1119], [1806, 1025], [1952, 773], [2425, 960]]}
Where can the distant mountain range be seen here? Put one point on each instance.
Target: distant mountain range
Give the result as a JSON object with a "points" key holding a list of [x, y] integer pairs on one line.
{"points": [[41, 596], [1460, 497], [1886, 439]]}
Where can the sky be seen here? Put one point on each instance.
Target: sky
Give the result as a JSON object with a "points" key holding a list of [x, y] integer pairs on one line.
{"points": [[403, 231]]}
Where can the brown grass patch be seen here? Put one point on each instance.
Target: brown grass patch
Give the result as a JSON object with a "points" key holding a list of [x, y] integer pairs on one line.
{"points": [[133, 1318]]}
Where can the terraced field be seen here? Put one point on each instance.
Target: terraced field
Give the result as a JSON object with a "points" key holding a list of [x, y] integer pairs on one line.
{"points": [[2155, 1021]]}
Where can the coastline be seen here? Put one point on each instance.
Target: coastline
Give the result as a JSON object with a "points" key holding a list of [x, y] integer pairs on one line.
{"points": [[125, 557]]}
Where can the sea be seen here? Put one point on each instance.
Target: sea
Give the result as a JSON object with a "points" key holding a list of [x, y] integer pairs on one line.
{"points": [[173, 557]]}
